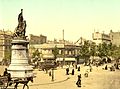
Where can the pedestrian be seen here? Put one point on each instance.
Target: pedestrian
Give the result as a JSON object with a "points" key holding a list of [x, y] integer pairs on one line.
{"points": [[75, 66], [78, 83], [67, 71], [90, 68], [79, 68], [50, 73], [106, 67], [73, 71], [117, 67]]}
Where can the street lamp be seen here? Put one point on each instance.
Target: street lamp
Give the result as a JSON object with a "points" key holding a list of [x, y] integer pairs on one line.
{"points": [[52, 74]]}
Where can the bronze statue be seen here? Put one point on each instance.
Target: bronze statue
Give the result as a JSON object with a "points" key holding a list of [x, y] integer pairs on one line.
{"points": [[20, 16], [21, 28]]}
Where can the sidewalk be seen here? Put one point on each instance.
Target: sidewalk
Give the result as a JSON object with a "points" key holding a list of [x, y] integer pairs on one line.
{"points": [[59, 77], [44, 79], [97, 79]]}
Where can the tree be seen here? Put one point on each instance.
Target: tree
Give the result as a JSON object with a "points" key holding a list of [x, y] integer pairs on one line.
{"points": [[7, 57], [115, 52], [55, 52], [31, 50], [93, 49], [36, 53], [102, 50], [85, 51], [110, 49]]}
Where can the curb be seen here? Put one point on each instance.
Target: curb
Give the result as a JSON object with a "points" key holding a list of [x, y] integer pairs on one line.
{"points": [[37, 84]]}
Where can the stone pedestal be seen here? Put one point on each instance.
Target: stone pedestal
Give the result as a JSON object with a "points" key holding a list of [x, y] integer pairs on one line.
{"points": [[19, 66]]}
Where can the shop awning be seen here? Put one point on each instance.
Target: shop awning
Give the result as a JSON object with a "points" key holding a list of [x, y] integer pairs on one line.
{"points": [[66, 59]]}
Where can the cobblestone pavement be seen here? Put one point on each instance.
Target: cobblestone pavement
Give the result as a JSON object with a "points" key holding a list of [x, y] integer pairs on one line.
{"points": [[97, 79]]}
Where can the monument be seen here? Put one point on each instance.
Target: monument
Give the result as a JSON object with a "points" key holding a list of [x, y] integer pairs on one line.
{"points": [[19, 66]]}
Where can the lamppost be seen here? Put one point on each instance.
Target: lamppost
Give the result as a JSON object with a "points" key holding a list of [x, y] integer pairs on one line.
{"points": [[55, 53], [52, 74], [53, 66]]}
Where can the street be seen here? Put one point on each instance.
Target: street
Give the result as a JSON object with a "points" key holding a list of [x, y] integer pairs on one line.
{"points": [[97, 79]]}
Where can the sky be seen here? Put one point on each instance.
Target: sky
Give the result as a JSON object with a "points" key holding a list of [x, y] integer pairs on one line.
{"points": [[78, 18]]}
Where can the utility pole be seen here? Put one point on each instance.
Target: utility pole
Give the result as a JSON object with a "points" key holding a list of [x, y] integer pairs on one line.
{"points": [[63, 49]]}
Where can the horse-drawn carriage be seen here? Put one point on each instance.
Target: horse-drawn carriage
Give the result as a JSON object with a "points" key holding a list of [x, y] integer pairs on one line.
{"points": [[6, 82], [3, 82], [47, 65]]}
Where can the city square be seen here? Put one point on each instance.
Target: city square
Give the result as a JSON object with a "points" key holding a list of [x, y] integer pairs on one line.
{"points": [[59, 44]]}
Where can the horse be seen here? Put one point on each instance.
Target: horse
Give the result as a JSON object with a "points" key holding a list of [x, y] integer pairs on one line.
{"points": [[24, 81]]}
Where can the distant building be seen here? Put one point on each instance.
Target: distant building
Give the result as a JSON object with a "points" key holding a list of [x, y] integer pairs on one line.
{"points": [[33, 39], [67, 51], [115, 37], [100, 38], [5, 44]]}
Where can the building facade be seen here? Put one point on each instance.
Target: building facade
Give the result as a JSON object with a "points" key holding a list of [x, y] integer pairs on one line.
{"points": [[115, 38], [33, 39], [5, 44], [67, 51], [100, 38]]}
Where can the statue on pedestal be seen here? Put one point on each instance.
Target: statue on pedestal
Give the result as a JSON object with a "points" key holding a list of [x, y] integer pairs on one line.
{"points": [[21, 28]]}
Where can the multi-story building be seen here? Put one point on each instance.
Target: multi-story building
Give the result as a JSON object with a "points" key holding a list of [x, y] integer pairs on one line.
{"points": [[33, 39], [5, 44], [115, 38], [100, 38], [67, 50]]}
